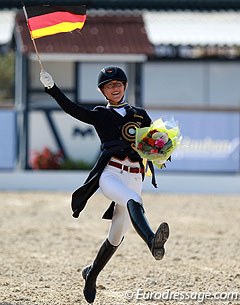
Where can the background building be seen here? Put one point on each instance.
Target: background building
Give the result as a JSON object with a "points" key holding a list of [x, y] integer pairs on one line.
{"points": [[182, 60]]}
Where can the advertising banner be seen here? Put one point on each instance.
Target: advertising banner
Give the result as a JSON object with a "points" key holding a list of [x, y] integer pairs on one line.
{"points": [[7, 139], [79, 140], [210, 141]]}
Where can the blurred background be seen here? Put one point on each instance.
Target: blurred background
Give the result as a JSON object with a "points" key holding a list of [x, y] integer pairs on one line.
{"points": [[182, 61]]}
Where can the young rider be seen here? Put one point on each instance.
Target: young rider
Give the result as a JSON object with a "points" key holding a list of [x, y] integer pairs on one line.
{"points": [[118, 172]]}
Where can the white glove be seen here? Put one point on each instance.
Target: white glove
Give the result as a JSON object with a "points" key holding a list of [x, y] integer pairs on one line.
{"points": [[46, 79]]}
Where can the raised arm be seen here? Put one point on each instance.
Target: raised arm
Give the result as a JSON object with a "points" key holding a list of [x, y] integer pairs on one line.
{"points": [[76, 111]]}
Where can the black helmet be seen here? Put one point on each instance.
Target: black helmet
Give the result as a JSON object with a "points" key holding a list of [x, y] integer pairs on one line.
{"points": [[111, 73]]}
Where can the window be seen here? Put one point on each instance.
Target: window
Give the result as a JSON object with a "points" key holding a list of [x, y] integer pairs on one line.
{"points": [[87, 81]]}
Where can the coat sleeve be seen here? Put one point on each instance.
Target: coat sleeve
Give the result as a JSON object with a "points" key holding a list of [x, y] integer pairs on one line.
{"points": [[78, 112]]}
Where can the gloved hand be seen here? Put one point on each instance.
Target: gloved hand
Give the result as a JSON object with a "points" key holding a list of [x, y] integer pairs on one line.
{"points": [[46, 79]]}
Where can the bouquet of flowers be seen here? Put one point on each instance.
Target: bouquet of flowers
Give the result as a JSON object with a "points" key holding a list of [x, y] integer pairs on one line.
{"points": [[157, 142]]}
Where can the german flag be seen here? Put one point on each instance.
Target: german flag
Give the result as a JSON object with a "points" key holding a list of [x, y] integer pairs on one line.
{"points": [[50, 20]]}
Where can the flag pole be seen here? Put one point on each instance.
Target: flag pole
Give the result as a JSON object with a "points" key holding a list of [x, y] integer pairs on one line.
{"points": [[33, 41]]}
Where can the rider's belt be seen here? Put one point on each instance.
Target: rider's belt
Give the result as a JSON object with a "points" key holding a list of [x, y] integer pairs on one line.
{"points": [[129, 169]]}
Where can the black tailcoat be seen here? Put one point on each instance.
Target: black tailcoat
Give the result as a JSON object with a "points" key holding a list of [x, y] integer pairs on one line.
{"points": [[116, 134]]}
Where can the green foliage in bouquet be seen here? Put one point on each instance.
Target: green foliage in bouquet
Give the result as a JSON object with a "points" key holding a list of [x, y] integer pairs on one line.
{"points": [[157, 142]]}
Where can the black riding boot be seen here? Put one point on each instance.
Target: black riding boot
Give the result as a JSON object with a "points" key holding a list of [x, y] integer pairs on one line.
{"points": [[155, 241], [91, 272]]}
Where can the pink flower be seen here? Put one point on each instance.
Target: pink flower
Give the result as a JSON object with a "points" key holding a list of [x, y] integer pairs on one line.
{"points": [[153, 151], [159, 143]]}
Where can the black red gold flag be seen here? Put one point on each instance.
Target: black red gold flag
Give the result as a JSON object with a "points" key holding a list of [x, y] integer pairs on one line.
{"points": [[50, 20]]}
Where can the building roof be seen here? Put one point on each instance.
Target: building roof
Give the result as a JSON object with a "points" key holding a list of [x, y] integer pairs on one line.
{"points": [[193, 28], [101, 34], [134, 35]]}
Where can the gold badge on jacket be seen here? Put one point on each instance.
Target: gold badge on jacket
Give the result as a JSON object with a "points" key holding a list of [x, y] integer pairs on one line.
{"points": [[129, 131]]}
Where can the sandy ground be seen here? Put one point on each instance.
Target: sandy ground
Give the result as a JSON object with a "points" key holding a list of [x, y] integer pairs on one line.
{"points": [[43, 249]]}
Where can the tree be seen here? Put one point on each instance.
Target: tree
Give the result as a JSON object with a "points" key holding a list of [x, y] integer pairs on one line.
{"points": [[7, 76]]}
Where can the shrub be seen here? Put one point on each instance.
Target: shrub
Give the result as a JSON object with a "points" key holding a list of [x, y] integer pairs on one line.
{"points": [[7, 76], [46, 159], [69, 164]]}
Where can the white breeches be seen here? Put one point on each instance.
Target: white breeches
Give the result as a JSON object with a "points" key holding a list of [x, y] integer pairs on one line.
{"points": [[120, 186]]}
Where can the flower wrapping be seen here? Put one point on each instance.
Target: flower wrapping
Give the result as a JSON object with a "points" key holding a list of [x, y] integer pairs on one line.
{"points": [[157, 142]]}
